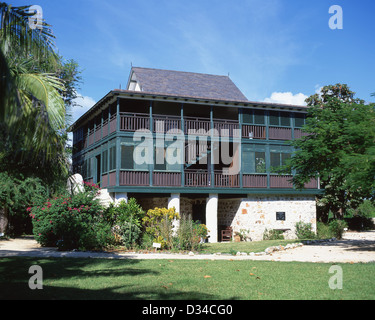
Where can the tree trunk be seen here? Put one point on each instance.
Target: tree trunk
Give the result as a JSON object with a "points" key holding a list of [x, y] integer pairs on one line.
{"points": [[4, 220]]}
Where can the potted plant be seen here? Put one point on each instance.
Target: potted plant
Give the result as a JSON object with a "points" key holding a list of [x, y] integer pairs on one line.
{"points": [[237, 237]]}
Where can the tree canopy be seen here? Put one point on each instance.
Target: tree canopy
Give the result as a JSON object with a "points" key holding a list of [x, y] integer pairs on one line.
{"points": [[339, 148], [37, 88]]}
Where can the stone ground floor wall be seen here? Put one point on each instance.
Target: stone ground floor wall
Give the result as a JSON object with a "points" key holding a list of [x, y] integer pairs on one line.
{"points": [[255, 214]]}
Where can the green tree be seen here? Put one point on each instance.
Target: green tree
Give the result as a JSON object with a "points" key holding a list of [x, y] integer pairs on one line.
{"points": [[32, 108], [37, 91], [339, 148]]}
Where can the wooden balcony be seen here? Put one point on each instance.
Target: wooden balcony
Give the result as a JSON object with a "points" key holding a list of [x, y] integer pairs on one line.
{"points": [[197, 178], [253, 132], [200, 179], [134, 122], [254, 180], [277, 133], [227, 128], [277, 181], [167, 124], [134, 178], [223, 180], [166, 179], [198, 126]]}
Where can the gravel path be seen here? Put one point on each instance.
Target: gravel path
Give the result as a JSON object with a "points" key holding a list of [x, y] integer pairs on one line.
{"points": [[355, 247]]}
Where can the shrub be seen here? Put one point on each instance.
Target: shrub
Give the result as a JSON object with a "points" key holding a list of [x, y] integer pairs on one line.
{"points": [[116, 214], [323, 231], [273, 235], [337, 228], [71, 222], [129, 233], [304, 230], [126, 221], [190, 234], [158, 223]]}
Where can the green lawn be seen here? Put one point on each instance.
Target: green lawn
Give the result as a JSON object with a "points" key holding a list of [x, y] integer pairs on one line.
{"points": [[182, 279], [234, 247]]}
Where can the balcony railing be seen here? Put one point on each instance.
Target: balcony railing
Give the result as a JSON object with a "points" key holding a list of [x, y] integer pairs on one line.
{"points": [[253, 132], [197, 178], [226, 180], [281, 181], [276, 133], [132, 122], [227, 128], [200, 179], [134, 178], [199, 126], [254, 180], [167, 179], [167, 124]]}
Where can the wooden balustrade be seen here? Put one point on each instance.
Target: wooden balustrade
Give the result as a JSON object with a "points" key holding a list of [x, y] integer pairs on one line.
{"points": [[253, 132], [167, 179], [134, 178], [197, 126], [226, 180], [197, 178], [254, 181], [281, 181], [167, 124], [226, 128], [277, 133], [134, 122]]}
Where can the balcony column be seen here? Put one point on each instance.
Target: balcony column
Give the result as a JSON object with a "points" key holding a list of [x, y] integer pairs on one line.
{"points": [[183, 147], [174, 202], [118, 115], [211, 217], [151, 165]]}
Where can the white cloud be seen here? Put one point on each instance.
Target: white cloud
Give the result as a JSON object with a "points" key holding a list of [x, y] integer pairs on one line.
{"points": [[287, 98], [84, 103]]}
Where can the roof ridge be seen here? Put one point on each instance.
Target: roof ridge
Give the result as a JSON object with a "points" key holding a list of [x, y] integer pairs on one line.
{"points": [[169, 70]]}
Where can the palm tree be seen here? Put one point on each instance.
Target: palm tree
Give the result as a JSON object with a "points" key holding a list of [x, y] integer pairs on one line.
{"points": [[32, 110]]}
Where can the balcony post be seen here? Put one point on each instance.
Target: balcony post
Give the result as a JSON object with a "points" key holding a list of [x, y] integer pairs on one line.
{"points": [[211, 167], [118, 115], [118, 160], [109, 120], [268, 165], [267, 114], [211, 217], [174, 202], [240, 141], [101, 128], [183, 146], [151, 166]]}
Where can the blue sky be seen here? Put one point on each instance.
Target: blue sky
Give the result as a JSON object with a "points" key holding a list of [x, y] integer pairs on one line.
{"points": [[273, 50]]}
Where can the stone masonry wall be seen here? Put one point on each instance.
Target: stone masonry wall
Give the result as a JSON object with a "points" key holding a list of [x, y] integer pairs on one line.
{"points": [[258, 213]]}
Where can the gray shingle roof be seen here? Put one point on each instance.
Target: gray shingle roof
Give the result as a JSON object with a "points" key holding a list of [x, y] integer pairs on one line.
{"points": [[187, 84]]}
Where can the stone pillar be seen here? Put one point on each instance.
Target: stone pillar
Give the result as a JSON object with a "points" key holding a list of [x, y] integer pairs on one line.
{"points": [[121, 196], [211, 217], [174, 201]]}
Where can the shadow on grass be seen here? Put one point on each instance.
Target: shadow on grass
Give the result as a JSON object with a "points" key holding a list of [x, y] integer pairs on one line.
{"points": [[88, 279]]}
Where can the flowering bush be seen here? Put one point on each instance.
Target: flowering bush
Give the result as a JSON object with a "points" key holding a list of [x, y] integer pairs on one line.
{"points": [[158, 223], [70, 222], [190, 234]]}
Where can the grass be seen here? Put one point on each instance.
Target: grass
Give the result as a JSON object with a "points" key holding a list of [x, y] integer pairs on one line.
{"points": [[234, 247], [76, 279]]}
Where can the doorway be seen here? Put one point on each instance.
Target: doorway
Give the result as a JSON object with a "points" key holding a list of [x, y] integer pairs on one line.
{"points": [[199, 212]]}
